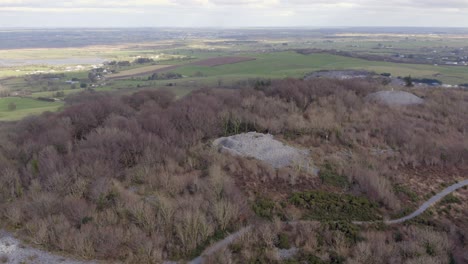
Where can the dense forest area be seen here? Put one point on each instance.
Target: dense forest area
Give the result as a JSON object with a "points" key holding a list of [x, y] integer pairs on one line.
{"points": [[134, 177]]}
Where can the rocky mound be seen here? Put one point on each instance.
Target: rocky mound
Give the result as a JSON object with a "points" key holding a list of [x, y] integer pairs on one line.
{"points": [[395, 98], [263, 147]]}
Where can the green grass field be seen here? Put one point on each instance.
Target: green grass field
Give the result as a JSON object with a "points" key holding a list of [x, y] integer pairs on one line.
{"points": [[267, 65], [25, 107], [138, 70], [292, 64]]}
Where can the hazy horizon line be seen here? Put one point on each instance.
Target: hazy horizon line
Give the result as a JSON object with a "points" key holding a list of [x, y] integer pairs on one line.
{"points": [[233, 27]]}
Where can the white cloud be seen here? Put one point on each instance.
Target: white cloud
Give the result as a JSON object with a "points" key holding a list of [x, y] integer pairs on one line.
{"points": [[243, 12]]}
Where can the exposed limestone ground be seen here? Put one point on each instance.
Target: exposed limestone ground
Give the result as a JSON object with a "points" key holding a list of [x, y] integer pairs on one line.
{"points": [[263, 147], [396, 98]]}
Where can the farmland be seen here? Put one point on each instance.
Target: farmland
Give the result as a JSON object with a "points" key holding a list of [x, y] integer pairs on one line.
{"points": [[232, 56], [25, 107], [292, 64], [146, 70]]}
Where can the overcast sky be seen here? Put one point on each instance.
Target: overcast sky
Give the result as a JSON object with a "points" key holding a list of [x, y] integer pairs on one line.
{"points": [[232, 13]]}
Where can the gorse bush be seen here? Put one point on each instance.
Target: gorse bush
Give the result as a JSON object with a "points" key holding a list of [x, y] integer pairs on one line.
{"points": [[330, 206], [330, 176]]}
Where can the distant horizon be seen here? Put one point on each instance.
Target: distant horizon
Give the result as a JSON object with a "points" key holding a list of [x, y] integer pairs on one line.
{"points": [[238, 27], [232, 13]]}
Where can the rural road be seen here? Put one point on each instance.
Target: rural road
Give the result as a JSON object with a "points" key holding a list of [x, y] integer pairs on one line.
{"points": [[10, 246]]}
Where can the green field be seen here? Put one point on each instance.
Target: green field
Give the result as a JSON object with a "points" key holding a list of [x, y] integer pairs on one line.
{"points": [[274, 60], [25, 107], [138, 70], [292, 64]]}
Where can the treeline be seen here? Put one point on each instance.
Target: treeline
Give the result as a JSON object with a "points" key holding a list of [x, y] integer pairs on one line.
{"points": [[134, 177], [164, 76]]}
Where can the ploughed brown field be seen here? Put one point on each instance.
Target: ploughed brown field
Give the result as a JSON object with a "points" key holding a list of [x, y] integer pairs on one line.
{"points": [[212, 62]]}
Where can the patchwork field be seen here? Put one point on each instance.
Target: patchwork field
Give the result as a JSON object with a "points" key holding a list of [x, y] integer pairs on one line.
{"points": [[222, 61], [292, 64], [146, 70]]}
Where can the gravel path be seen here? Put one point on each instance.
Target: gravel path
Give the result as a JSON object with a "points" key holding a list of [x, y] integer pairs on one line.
{"points": [[220, 244], [429, 203]]}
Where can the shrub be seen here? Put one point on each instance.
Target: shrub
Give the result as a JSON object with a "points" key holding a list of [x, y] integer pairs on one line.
{"points": [[451, 199], [323, 205], [330, 176], [336, 259], [350, 231], [264, 207], [283, 241]]}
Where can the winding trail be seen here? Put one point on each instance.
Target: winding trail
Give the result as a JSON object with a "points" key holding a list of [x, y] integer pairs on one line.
{"points": [[10, 246], [228, 240], [429, 203], [220, 244]]}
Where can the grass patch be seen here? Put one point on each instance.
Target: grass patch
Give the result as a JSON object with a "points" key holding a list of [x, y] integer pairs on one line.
{"points": [[292, 64], [325, 206], [138, 71], [450, 199], [330, 176], [283, 241], [406, 191], [25, 107], [264, 207]]}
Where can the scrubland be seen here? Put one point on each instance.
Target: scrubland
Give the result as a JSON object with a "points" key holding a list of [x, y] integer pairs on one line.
{"points": [[134, 178]]}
